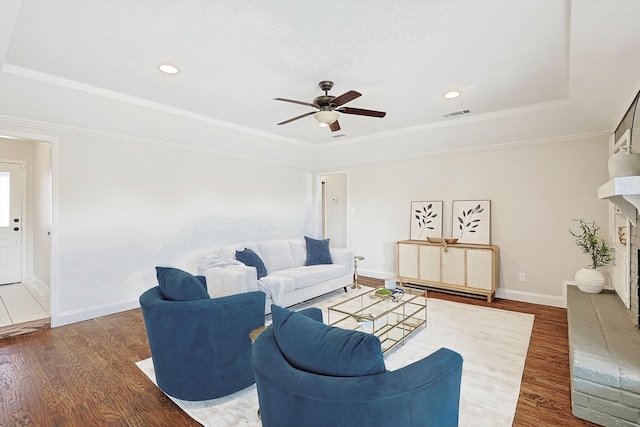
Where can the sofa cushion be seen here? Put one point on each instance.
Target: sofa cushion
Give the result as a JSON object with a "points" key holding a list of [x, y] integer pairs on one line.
{"points": [[311, 275], [314, 347], [251, 259], [178, 285], [317, 251], [276, 255]]}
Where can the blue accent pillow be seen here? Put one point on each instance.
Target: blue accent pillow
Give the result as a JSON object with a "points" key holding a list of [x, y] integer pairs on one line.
{"points": [[251, 259], [317, 251], [312, 346], [178, 285]]}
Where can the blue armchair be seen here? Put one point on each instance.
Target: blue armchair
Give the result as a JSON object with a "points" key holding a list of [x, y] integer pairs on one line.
{"points": [[201, 347], [425, 393]]}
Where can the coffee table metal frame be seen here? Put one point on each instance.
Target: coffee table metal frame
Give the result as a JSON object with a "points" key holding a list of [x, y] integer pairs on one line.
{"points": [[392, 322]]}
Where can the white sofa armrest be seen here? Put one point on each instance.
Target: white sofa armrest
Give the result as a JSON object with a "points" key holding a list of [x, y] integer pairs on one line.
{"points": [[344, 257], [230, 280]]}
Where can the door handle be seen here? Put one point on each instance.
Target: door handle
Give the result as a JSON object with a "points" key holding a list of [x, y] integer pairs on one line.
{"points": [[16, 228], [16, 220]]}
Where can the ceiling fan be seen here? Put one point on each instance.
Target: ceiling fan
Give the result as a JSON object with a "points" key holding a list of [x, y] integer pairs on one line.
{"points": [[329, 106]]}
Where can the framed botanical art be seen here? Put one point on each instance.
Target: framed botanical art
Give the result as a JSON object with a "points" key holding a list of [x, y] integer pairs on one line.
{"points": [[471, 221], [426, 220]]}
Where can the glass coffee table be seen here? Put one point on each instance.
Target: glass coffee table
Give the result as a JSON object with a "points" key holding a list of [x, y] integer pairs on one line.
{"points": [[390, 321]]}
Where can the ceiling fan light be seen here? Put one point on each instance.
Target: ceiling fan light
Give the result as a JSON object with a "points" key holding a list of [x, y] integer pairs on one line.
{"points": [[325, 118]]}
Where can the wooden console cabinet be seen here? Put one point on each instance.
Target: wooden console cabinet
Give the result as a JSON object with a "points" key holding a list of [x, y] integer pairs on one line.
{"points": [[458, 268]]}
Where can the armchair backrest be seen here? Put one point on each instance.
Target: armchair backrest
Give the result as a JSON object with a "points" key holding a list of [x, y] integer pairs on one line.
{"points": [[425, 393]]}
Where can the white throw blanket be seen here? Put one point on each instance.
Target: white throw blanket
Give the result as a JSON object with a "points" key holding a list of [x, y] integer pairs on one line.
{"points": [[273, 287], [212, 261], [270, 285]]}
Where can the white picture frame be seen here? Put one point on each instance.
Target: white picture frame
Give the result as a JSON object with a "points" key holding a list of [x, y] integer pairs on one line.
{"points": [[426, 220], [471, 221]]}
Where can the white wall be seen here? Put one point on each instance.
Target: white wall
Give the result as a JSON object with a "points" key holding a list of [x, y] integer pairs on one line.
{"points": [[535, 191], [128, 207]]}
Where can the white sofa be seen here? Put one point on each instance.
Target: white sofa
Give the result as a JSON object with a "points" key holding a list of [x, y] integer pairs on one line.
{"points": [[288, 281]]}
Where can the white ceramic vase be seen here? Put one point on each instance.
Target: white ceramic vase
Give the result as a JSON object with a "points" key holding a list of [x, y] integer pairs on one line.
{"points": [[624, 163], [590, 280]]}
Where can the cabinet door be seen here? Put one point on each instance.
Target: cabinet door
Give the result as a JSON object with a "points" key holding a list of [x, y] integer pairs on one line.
{"points": [[480, 268], [408, 260], [430, 263], [453, 266]]}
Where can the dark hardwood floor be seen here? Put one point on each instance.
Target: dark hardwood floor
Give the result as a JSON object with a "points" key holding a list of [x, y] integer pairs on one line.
{"points": [[84, 374]]}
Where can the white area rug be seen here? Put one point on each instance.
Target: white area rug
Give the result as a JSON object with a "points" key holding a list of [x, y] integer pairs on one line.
{"points": [[492, 342]]}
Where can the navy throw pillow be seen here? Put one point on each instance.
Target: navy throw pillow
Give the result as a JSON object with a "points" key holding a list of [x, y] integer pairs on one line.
{"points": [[317, 251], [251, 259], [178, 285], [312, 346]]}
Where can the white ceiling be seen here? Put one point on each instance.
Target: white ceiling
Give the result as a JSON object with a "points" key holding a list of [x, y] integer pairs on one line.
{"points": [[505, 56]]}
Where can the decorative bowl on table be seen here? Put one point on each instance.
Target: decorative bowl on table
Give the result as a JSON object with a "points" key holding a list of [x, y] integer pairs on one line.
{"points": [[448, 240]]}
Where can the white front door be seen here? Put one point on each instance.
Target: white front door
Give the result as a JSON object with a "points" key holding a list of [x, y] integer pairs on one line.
{"points": [[11, 176]]}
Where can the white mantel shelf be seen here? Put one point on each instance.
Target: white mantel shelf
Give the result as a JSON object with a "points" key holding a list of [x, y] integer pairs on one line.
{"points": [[624, 192]]}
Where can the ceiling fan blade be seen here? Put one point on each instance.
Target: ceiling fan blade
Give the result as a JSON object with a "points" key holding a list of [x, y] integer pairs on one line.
{"points": [[295, 102], [361, 112], [334, 126], [345, 97], [296, 118]]}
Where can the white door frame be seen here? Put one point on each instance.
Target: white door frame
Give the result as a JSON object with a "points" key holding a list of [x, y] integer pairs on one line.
{"points": [[319, 214], [24, 214], [54, 285]]}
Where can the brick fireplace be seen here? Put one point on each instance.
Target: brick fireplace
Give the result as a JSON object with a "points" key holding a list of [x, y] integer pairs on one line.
{"points": [[604, 350]]}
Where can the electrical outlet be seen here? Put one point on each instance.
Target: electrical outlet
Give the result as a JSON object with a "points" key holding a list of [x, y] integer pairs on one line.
{"points": [[523, 277]]}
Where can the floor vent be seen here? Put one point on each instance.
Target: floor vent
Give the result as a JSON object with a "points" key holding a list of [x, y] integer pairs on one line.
{"points": [[456, 113]]}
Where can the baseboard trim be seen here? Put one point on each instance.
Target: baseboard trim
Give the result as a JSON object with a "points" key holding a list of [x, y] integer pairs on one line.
{"points": [[68, 317], [530, 297], [374, 274]]}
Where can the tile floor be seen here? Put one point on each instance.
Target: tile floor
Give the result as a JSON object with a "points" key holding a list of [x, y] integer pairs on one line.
{"points": [[23, 302]]}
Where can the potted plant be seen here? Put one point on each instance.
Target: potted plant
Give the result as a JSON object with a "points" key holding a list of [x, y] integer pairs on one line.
{"points": [[590, 279]]}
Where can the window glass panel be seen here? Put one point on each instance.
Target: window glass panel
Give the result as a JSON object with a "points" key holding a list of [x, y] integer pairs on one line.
{"points": [[5, 180]]}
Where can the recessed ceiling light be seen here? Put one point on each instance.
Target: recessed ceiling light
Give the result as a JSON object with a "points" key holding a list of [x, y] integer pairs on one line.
{"points": [[168, 68], [452, 94]]}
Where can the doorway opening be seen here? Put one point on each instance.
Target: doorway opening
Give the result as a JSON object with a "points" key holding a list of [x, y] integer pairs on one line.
{"points": [[26, 206], [334, 209]]}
